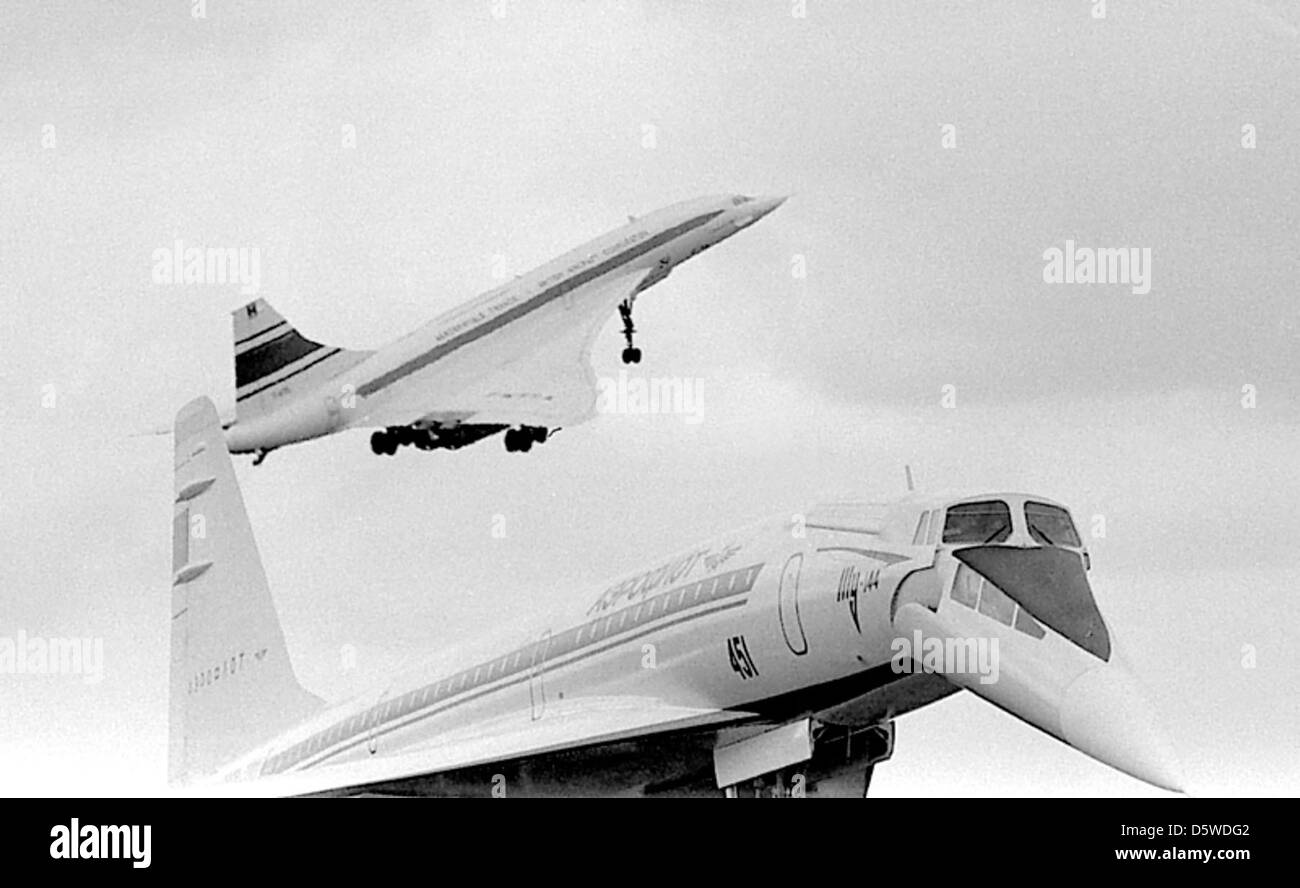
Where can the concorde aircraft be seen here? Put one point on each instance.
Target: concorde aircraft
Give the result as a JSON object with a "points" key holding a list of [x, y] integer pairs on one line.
{"points": [[771, 660], [514, 359]]}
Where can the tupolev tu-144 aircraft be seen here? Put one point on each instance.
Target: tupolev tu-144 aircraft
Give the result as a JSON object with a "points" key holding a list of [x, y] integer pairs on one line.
{"points": [[771, 660], [514, 359]]}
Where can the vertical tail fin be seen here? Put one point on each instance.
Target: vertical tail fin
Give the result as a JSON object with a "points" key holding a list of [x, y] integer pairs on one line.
{"points": [[272, 360], [232, 685]]}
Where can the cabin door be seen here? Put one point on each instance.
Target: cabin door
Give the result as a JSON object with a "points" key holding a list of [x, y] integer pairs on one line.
{"points": [[536, 684], [788, 607]]}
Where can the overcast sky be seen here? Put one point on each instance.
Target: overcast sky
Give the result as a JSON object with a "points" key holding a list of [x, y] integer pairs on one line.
{"points": [[934, 151]]}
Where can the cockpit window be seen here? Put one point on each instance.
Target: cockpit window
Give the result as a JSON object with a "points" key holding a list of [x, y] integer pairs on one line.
{"points": [[740, 199], [1051, 525], [984, 522]]}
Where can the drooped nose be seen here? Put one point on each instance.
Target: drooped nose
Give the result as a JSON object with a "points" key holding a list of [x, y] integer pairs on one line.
{"points": [[1057, 665], [1106, 714]]}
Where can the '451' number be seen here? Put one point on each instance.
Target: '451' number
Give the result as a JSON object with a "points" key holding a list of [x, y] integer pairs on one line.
{"points": [[738, 654]]}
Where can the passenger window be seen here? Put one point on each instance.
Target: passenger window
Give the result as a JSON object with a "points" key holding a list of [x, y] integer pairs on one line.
{"points": [[983, 522], [1028, 624], [995, 603], [966, 587]]}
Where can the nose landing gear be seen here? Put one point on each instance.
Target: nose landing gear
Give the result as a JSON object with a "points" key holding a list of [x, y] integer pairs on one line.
{"points": [[631, 354]]}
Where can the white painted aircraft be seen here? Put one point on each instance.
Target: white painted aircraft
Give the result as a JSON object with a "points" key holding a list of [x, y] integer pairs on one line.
{"points": [[770, 660], [514, 359]]}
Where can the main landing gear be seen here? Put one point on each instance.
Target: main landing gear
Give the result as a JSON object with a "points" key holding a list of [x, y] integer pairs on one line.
{"points": [[521, 440], [429, 437], [384, 443], [763, 765], [631, 354]]}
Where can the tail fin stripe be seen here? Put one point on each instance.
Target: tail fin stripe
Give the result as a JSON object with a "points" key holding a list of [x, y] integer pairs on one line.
{"points": [[272, 384], [269, 357], [275, 364], [252, 336]]}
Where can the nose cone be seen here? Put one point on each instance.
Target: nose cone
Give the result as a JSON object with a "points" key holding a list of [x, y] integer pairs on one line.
{"points": [[768, 204], [1106, 714]]}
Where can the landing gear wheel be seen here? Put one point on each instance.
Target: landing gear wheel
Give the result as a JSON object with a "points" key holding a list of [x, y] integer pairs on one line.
{"points": [[523, 438], [383, 443], [631, 355]]}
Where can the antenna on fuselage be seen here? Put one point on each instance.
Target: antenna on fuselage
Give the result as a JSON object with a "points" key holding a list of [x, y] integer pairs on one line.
{"points": [[908, 471]]}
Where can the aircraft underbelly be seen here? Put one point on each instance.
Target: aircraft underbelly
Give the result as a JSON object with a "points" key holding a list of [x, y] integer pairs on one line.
{"points": [[528, 363]]}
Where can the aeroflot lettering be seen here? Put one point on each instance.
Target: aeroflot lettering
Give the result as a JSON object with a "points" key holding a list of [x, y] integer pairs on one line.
{"points": [[224, 669], [90, 842], [642, 584]]}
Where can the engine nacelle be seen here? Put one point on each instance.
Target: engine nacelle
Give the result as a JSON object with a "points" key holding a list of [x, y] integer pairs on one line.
{"points": [[306, 419]]}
